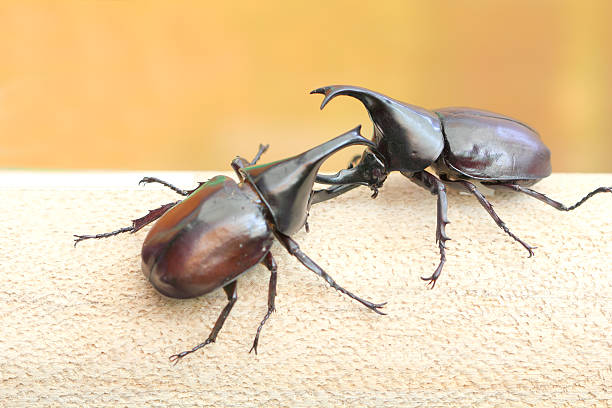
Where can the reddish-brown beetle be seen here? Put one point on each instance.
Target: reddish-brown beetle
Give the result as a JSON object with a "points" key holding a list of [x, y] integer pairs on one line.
{"points": [[222, 229]]}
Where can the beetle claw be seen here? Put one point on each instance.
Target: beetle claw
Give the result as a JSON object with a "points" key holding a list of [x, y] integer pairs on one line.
{"points": [[375, 306], [175, 358], [431, 281], [434, 277], [531, 253], [78, 239], [374, 191]]}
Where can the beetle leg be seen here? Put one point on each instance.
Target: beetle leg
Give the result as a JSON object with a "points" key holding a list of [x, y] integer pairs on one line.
{"points": [[240, 162], [294, 249], [471, 188], [147, 180], [232, 296], [435, 186], [332, 192], [262, 149], [137, 224], [555, 204], [270, 263]]}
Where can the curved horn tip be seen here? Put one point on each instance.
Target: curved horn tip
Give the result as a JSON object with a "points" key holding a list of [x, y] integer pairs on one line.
{"points": [[324, 91], [319, 91]]}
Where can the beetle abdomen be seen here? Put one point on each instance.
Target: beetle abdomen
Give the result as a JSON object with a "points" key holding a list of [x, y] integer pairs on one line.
{"points": [[206, 241], [489, 146]]}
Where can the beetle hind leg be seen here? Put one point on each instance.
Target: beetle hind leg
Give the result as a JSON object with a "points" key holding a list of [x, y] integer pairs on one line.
{"points": [[555, 204], [270, 263], [471, 188], [137, 224], [232, 295]]}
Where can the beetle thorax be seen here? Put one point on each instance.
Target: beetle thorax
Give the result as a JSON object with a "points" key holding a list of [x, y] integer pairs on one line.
{"points": [[409, 150], [409, 137]]}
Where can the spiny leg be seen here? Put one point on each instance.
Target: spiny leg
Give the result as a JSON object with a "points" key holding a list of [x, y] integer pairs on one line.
{"points": [[185, 193], [471, 188], [343, 177], [294, 249], [137, 224], [262, 149], [366, 170], [436, 187], [319, 196], [555, 204], [147, 180], [269, 262], [232, 296]]}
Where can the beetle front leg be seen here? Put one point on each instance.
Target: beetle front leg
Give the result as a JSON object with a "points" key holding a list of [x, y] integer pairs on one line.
{"points": [[262, 149], [147, 180], [294, 249], [269, 263], [471, 188], [435, 186], [240, 162], [137, 224], [178, 190], [319, 196], [232, 296]]}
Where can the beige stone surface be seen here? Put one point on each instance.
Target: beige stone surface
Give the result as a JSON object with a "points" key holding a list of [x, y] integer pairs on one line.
{"points": [[82, 327]]}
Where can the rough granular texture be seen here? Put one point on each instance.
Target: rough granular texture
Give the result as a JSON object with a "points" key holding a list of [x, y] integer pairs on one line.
{"points": [[83, 327]]}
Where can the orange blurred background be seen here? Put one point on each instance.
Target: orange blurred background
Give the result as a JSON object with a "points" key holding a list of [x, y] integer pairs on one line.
{"points": [[188, 85]]}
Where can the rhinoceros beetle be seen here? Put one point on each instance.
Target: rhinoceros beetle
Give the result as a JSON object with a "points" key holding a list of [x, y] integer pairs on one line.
{"points": [[222, 229], [462, 145]]}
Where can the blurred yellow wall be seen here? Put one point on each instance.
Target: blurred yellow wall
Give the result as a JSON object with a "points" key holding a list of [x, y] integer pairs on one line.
{"points": [[190, 84]]}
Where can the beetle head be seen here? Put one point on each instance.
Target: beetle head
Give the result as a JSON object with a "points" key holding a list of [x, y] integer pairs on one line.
{"points": [[372, 168], [286, 185], [408, 137]]}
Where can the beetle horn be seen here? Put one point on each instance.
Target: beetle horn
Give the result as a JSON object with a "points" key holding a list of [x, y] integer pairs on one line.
{"points": [[287, 184], [413, 133], [331, 92]]}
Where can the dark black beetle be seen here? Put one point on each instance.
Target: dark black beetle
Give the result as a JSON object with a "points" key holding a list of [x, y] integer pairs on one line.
{"points": [[461, 144], [222, 229]]}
